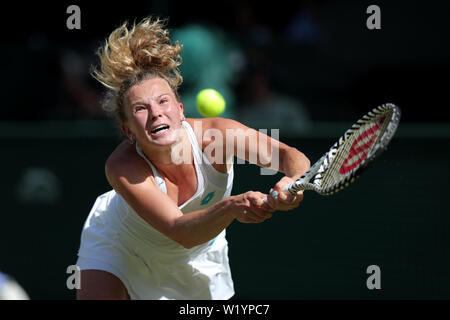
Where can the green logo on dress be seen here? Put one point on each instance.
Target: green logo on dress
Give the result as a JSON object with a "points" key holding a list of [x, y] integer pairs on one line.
{"points": [[207, 198]]}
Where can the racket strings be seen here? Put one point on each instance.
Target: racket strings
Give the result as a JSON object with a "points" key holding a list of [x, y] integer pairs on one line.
{"points": [[383, 131], [356, 145], [332, 176]]}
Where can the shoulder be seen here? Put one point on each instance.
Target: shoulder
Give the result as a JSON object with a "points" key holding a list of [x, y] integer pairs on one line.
{"points": [[202, 125], [204, 128], [125, 164]]}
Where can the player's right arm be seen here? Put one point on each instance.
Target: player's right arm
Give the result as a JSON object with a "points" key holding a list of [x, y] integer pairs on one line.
{"points": [[132, 178]]}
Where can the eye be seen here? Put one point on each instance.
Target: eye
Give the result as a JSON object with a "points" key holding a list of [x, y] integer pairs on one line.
{"points": [[163, 100], [138, 108]]}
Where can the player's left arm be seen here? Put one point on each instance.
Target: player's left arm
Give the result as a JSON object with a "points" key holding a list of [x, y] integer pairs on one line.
{"points": [[260, 149]]}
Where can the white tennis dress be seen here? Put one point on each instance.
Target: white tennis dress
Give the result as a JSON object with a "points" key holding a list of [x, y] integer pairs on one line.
{"points": [[150, 265]]}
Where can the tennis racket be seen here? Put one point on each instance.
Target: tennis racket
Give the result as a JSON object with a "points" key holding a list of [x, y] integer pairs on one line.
{"points": [[352, 153]]}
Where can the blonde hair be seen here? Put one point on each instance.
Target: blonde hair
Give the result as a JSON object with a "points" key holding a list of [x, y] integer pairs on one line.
{"points": [[133, 54]]}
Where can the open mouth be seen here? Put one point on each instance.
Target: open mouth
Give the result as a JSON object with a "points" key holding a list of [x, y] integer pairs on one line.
{"points": [[160, 129]]}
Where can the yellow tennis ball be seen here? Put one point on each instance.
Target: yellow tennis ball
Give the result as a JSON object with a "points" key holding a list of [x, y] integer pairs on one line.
{"points": [[210, 103]]}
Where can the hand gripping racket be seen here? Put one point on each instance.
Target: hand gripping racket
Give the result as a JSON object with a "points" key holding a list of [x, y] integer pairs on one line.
{"points": [[352, 153]]}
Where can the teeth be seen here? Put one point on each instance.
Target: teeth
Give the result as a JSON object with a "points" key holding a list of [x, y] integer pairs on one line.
{"points": [[162, 127]]}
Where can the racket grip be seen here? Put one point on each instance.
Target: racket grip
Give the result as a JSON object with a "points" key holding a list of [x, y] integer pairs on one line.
{"points": [[287, 187]]}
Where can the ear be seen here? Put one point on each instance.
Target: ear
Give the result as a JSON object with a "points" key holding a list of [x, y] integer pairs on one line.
{"points": [[125, 129], [181, 110]]}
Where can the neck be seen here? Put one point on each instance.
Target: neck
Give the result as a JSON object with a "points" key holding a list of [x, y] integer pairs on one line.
{"points": [[173, 160]]}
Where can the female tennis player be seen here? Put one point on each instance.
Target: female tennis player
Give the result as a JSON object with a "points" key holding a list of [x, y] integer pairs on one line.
{"points": [[160, 233]]}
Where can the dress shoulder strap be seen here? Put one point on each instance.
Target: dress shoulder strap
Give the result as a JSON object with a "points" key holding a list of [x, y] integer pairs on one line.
{"points": [[158, 178]]}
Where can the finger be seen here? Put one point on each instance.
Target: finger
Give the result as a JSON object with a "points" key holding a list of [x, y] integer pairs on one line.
{"points": [[280, 185], [258, 214], [269, 215], [274, 193], [294, 199], [247, 217], [262, 202], [270, 202], [291, 198], [267, 207], [257, 199], [258, 220], [284, 197], [252, 219]]}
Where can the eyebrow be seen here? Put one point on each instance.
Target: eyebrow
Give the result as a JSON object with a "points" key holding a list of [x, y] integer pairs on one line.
{"points": [[145, 102]]}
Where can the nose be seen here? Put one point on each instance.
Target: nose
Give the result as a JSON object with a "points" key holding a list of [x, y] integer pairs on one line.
{"points": [[155, 111]]}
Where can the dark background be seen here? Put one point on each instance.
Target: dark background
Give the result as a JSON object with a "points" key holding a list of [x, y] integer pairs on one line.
{"points": [[55, 138], [339, 68]]}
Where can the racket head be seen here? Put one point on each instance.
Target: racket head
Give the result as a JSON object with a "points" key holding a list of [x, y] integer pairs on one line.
{"points": [[360, 145]]}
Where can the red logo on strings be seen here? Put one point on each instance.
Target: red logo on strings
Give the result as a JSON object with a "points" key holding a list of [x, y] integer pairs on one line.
{"points": [[362, 150]]}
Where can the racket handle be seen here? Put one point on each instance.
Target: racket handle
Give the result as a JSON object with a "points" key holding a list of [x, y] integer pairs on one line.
{"points": [[287, 187], [290, 188]]}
